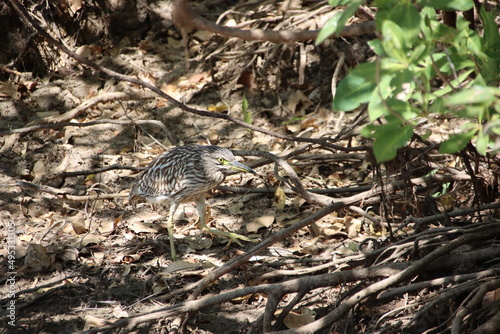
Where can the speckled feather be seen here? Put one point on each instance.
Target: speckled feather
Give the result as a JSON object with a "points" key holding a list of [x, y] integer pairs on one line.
{"points": [[182, 174]]}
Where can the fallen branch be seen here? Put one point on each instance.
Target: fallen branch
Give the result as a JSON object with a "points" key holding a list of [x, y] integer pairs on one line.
{"points": [[482, 232], [394, 273], [64, 194], [187, 21], [44, 126], [291, 286], [103, 98]]}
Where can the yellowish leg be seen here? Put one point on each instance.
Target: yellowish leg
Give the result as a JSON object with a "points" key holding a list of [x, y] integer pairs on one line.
{"points": [[170, 228], [200, 205]]}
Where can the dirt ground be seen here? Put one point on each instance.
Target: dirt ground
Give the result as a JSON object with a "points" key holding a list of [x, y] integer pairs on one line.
{"points": [[73, 140]]}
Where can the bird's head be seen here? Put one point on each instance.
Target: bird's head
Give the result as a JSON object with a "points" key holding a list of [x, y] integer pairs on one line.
{"points": [[223, 160]]}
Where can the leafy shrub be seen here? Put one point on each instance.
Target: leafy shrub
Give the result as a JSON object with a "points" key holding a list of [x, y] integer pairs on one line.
{"points": [[424, 69]]}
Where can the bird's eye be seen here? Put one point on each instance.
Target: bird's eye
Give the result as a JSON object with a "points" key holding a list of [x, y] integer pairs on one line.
{"points": [[221, 160]]}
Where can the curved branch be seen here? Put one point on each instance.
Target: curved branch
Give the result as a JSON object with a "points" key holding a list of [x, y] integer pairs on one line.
{"points": [[188, 21]]}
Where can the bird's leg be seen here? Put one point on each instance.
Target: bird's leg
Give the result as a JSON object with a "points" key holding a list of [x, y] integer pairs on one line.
{"points": [[200, 206], [170, 229]]}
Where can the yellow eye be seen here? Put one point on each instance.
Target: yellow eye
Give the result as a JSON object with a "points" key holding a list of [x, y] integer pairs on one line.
{"points": [[221, 160]]}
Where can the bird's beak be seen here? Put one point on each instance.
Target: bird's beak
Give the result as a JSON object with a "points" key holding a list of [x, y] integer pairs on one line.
{"points": [[239, 167]]}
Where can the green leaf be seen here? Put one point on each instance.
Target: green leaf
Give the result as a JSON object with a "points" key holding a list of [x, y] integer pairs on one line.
{"points": [[418, 54], [407, 17], [247, 116], [389, 138], [376, 46], [482, 142], [402, 84], [356, 88], [491, 36], [336, 24], [393, 41], [401, 108], [426, 135], [456, 142], [336, 3], [328, 29], [386, 4], [368, 130], [375, 107], [474, 95], [448, 4]]}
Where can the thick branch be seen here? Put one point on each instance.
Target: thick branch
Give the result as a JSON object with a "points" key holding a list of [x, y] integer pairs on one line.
{"points": [[188, 21]]}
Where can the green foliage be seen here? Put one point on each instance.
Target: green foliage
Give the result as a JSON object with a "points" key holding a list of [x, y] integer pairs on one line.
{"points": [[335, 25], [247, 116], [424, 68]]}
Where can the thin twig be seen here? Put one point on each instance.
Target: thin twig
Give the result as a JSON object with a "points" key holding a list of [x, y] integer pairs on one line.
{"points": [[44, 126]]}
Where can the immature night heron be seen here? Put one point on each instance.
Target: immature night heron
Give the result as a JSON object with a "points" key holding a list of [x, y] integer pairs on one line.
{"points": [[184, 174]]}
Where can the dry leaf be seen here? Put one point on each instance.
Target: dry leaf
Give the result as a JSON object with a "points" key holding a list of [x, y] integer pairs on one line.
{"points": [[310, 246], [118, 312], [262, 221], [247, 80], [353, 227], [279, 199], [25, 237], [159, 286], [129, 258], [139, 227], [107, 227], [91, 321], [78, 223], [235, 208], [200, 243], [171, 90], [298, 103], [8, 89], [74, 6], [303, 317], [39, 170], [87, 240], [181, 266], [203, 35], [37, 258], [293, 128], [68, 255], [199, 77], [219, 107], [491, 297], [230, 23]]}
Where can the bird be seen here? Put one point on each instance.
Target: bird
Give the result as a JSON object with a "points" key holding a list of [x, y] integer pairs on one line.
{"points": [[185, 174]]}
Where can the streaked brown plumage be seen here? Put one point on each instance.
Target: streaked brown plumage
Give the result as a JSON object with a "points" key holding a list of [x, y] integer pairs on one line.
{"points": [[183, 174]]}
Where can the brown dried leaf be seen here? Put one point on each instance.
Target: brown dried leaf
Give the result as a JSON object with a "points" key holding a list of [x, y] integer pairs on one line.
{"points": [[279, 199], [262, 221], [78, 223], [88, 240], [118, 312], [298, 319], [37, 258], [68, 255], [91, 321], [298, 103], [353, 227]]}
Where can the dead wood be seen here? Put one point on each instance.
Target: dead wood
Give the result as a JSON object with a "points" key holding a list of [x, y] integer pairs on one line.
{"points": [[187, 21]]}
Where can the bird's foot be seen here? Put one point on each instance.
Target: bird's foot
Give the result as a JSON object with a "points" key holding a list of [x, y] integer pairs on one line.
{"points": [[170, 228], [230, 235]]}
